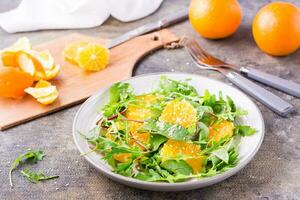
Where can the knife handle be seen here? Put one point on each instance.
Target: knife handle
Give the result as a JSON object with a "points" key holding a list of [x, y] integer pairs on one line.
{"points": [[173, 19], [286, 86], [270, 100]]}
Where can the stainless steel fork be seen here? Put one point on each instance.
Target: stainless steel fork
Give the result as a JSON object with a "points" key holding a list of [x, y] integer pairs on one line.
{"points": [[206, 61]]}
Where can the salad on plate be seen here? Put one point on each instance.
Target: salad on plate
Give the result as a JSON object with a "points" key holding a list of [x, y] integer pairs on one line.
{"points": [[171, 134]]}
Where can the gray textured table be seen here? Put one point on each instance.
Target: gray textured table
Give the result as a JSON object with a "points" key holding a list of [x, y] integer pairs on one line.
{"points": [[274, 173]]}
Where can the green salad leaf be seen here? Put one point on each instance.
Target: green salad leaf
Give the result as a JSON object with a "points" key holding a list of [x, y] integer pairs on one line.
{"points": [[157, 141], [244, 130], [177, 167], [35, 177], [120, 96], [171, 131]]}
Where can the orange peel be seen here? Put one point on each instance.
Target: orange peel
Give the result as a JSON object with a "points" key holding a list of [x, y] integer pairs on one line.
{"points": [[43, 92]]}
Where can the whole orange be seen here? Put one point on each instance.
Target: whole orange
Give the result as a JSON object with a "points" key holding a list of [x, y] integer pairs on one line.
{"points": [[215, 19], [276, 28]]}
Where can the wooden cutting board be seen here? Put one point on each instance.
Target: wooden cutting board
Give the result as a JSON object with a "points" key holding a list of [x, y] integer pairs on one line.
{"points": [[74, 84]]}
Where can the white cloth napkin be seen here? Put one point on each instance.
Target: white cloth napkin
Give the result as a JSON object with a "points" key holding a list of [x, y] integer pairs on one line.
{"points": [[33, 15]]}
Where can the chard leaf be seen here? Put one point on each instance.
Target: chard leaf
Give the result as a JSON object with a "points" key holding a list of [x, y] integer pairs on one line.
{"points": [[156, 140], [222, 154], [177, 167], [92, 134], [171, 131], [203, 134], [244, 130], [233, 143], [35, 177], [201, 110]]}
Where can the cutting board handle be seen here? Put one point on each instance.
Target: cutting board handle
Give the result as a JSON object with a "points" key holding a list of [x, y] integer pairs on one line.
{"points": [[138, 47]]}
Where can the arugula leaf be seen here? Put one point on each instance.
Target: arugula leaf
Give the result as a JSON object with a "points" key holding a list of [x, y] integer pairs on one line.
{"points": [[244, 130], [208, 99], [177, 167], [119, 91], [35, 177], [150, 176], [125, 169], [222, 109], [34, 156], [120, 94], [231, 104], [171, 131], [167, 86]]}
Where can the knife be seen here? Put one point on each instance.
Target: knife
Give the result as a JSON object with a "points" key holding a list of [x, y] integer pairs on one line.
{"points": [[165, 22]]}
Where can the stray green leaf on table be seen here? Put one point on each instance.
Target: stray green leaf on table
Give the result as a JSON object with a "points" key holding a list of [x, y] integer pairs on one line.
{"points": [[34, 156], [35, 177]]}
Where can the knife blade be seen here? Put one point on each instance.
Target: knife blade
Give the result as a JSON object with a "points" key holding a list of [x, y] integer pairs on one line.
{"points": [[165, 22]]}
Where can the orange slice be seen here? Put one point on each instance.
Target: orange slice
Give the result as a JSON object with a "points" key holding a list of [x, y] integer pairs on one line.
{"points": [[71, 50], [93, 57], [13, 82], [179, 112], [172, 149], [220, 130], [122, 157]]}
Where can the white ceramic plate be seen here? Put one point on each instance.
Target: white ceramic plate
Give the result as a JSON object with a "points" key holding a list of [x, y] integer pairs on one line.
{"points": [[87, 116]]}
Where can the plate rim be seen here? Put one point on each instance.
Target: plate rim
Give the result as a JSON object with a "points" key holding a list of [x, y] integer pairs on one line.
{"points": [[164, 186]]}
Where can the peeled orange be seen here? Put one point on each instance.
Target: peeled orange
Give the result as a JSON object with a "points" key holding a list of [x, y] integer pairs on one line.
{"points": [[215, 19], [93, 57], [276, 28], [13, 82], [9, 55]]}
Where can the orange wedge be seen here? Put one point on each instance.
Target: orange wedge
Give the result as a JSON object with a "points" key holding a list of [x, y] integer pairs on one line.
{"points": [[179, 112], [71, 50], [172, 149], [220, 130], [122, 157]]}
